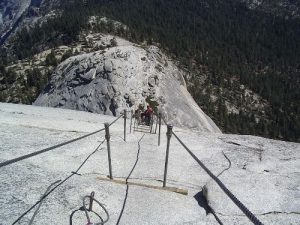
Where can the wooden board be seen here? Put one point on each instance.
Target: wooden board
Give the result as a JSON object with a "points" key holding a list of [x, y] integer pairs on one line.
{"points": [[171, 189]]}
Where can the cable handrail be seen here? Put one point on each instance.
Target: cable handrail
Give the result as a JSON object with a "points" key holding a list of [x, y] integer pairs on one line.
{"points": [[116, 120], [60, 182], [237, 202], [30, 155]]}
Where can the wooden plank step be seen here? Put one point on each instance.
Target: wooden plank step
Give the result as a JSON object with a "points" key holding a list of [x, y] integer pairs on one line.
{"points": [[170, 189], [144, 127], [141, 131]]}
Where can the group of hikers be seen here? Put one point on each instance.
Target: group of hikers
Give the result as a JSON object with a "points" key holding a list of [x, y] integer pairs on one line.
{"points": [[144, 117]]}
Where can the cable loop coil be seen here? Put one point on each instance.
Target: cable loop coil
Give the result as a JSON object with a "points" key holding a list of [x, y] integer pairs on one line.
{"points": [[86, 210], [92, 199]]}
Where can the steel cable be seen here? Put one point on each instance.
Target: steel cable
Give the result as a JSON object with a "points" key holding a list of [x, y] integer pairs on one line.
{"points": [[53, 189], [82, 209], [8, 162], [242, 207], [86, 210], [165, 122], [127, 187], [101, 205], [41, 202], [116, 120]]}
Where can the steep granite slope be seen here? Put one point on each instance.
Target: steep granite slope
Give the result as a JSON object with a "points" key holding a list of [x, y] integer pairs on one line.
{"points": [[262, 173], [122, 77]]}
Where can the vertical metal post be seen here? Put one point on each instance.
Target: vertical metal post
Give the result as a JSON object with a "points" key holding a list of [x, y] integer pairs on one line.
{"points": [[169, 135], [131, 120], [159, 128], [125, 117], [151, 124], [107, 137], [134, 124], [156, 123], [91, 201]]}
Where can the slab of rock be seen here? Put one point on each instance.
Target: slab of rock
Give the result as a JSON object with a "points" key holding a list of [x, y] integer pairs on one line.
{"points": [[265, 178], [102, 78], [108, 66], [90, 75]]}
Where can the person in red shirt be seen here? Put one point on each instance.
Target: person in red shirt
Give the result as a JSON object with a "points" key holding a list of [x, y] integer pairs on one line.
{"points": [[146, 116]]}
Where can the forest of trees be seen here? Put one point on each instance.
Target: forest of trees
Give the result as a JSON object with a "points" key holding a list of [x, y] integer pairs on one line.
{"points": [[260, 50]]}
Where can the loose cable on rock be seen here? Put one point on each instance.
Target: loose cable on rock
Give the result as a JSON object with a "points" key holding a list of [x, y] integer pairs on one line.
{"points": [[59, 184], [39, 206], [128, 177], [90, 209]]}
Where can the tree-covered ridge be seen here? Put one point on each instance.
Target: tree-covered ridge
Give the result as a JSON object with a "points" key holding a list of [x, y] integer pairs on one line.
{"points": [[223, 41]]}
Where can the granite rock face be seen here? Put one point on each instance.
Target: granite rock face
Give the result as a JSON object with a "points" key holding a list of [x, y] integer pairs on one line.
{"points": [[122, 77], [264, 175]]}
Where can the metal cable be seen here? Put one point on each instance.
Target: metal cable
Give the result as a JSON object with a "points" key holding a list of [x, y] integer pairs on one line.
{"points": [[81, 209], [127, 187], [63, 181], [40, 204], [8, 162], [242, 207], [101, 205], [72, 214], [116, 120], [164, 120], [229, 165]]}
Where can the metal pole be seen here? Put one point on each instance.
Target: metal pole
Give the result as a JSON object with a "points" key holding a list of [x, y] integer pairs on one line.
{"points": [[131, 120], [159, 128], [134, 124], [151, 124], [125, 115], [91, 201], [156, 123], [107, 137], [169, 135]]}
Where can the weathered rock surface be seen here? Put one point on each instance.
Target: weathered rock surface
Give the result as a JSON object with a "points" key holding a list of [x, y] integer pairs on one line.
{"points": [[122, 77], [264, 175]]}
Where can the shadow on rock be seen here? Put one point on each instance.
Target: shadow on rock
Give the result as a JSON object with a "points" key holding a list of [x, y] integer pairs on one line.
{"points": [[202, 202]]}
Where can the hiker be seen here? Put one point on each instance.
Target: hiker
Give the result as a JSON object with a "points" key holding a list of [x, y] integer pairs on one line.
{"points": [[138, 116], [146, 116]]}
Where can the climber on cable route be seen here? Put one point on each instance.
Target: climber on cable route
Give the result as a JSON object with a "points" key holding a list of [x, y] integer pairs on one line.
{"points": [[146, 116]]}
